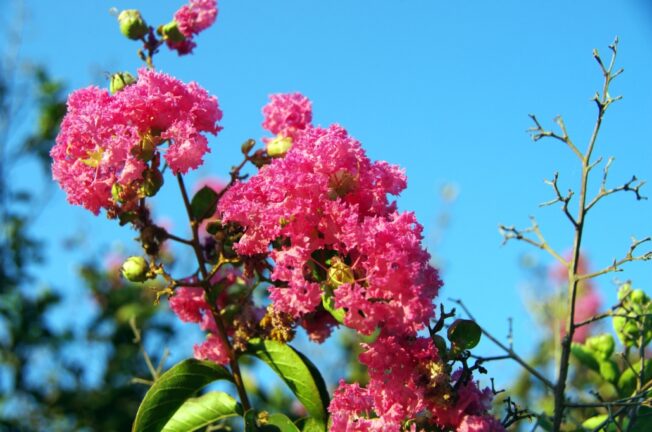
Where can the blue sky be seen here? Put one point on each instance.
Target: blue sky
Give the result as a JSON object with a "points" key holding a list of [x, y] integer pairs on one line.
{"points": [[441, 88]]}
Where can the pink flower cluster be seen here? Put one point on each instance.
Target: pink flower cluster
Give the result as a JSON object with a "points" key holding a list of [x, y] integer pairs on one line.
{"points": [[189, 304], [409, 385], [287, 115], [322, 214], [109, 139], [326, 196], [192, 19]]}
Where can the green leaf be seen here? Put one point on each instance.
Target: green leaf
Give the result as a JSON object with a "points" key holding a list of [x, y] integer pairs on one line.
{"points": [[201, 411], [300, 375], [312, 425], [585, 356], [203, 204], [465, 334], [172, 389], [627, 381], [643, 422], [280, 423], [593, 422], [328, 302]]}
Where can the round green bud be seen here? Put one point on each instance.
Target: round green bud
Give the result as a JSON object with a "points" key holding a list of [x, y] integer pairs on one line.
{"points": [[279, 146], [135, 269], [171, 32], [132, 24], [152, 183], [120, 80], [116, 192]]}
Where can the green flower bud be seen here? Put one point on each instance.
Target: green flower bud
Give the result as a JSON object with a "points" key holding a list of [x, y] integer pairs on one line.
{"points": [[135, 269], [116, 192], [171, 32], [339, 274], [153, 182], [120, 80], [132, 24], [279, 146], [603, 345]]}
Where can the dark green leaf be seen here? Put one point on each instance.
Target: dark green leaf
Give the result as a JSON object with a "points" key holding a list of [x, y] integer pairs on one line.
{"points": [[201, 411], [465, 334], [300, 375], [172, 389], [643, 422], [204, 203]]}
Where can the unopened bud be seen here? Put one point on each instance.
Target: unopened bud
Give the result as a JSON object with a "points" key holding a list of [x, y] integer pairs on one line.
{"points": [[120, 80], [116, 192], [279, 146], [339, 274], [135, 269], [152, 183], [247, 146], [171, 32], [132, 24]]}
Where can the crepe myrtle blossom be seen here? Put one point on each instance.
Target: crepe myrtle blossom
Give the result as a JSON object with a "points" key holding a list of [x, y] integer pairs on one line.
{"points": [[190, 305], [189, 20], [286, 116], [107, 140], [335, 234], [409, 388]]}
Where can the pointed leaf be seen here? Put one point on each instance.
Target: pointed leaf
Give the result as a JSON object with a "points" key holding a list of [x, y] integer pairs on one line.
{"points": [[204, 203], [300, 375], [201, 411], [172, 389], [281, 423]]}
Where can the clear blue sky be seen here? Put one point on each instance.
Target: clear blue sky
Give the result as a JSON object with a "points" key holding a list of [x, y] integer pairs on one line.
{"points": [[440, 88]]}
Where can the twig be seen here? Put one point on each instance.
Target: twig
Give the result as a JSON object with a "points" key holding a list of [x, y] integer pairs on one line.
{"points": [[630, 186], [630, 257], [564, 199], [510, 352]]}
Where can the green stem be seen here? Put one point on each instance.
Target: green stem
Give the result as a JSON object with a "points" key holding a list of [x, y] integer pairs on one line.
{"points": [[205, 282]]}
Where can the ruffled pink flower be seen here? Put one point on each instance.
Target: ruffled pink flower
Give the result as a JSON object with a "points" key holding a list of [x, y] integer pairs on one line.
{"points": [[196, 16], [326, 195], [188, 304], [352, 410], [183, 47], [212, 349], [102, 133], [474, 423], [287, 115]]}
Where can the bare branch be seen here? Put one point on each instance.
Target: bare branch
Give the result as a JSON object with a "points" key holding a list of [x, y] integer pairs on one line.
{"points": [[629, 257], [634, 185], [510, 352], [537, 132], [510, 232], [564, 199]]}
